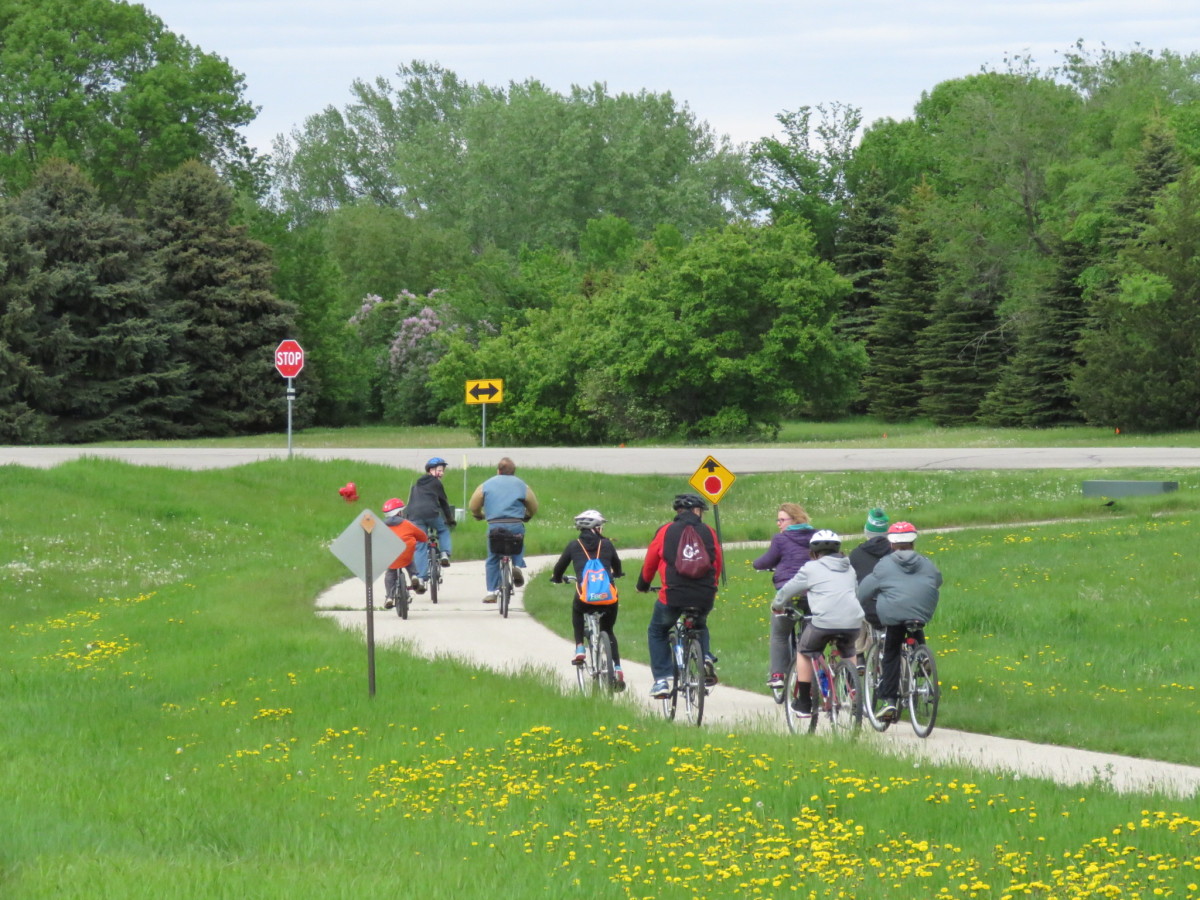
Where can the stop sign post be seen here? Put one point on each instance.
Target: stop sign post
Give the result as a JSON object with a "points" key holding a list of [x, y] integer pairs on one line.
{"points": [[289, 360]]}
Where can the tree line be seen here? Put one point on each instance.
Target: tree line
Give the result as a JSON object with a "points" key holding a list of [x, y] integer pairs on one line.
{"points": [[1021, 251]]}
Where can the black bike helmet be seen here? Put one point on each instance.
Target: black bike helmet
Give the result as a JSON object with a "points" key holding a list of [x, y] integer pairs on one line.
{"points": [[688, 501], [435, 462]]}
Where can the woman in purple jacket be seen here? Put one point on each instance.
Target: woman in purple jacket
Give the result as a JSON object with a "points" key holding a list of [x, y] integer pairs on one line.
{"points": [[787, 553]]}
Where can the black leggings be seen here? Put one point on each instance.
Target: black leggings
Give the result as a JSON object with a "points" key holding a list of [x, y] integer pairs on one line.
{"points": [[608, 618]]}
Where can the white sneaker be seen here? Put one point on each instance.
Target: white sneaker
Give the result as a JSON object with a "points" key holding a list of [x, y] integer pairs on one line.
{"points": [[490, 597]]}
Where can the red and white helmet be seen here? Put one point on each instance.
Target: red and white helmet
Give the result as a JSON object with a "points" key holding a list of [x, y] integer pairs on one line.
{"points": [[390, 507], [902, 533]]}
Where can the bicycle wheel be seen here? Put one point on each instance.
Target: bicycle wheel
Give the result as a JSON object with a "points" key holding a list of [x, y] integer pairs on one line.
{"points": [[846, 709], [923, 692], [604, 678], [819, 700], [435, 580], [790, 716], [401, 596], [871, 702], [506, 585], [693, 687], [671, 701], [583, 671]]}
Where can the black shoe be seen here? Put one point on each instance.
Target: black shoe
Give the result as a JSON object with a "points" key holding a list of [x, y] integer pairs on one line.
{"points": [[518, 577], [799, 709]]}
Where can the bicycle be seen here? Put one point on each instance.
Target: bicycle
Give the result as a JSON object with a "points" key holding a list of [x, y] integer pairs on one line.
{"points": [[836, 689], [918, 686], [505, 544], [597, 672], [396, 588], [434, 553], [689, 673]]}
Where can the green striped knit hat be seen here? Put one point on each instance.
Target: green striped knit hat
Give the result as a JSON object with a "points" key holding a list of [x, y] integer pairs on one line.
{"points": [[877, 522]]}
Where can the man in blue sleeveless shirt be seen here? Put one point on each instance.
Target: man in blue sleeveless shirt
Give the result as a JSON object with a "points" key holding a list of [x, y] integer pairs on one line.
{"points": [[505, 501]]}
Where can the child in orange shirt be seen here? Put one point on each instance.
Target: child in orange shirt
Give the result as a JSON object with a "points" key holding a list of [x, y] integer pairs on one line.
{"points": [[393, 518]]}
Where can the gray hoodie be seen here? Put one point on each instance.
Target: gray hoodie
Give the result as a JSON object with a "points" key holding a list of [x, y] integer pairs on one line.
{"points": [[905, 586], [829, 582]]}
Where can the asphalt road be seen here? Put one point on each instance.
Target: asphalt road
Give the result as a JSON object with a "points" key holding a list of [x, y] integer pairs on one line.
{"points": [[657, 461]]}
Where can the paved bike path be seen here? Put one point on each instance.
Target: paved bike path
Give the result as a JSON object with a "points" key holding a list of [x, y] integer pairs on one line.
{"points": [[462, 626]]}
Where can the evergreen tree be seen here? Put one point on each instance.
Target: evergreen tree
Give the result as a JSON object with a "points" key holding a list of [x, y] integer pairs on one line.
{"points": [[959, 354], [906, 297], [86, 341], [219, 282], [1033, 390], [867, 236]]}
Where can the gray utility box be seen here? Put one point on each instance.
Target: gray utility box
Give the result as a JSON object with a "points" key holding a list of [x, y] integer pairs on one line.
{"points": [[1127, 488]]}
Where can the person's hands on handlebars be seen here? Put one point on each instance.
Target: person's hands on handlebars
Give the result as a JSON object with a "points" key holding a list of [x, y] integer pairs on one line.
{"points": [[779, 606], [642, 586]]}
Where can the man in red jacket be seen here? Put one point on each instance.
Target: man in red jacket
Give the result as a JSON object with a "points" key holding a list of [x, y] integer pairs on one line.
{"points": [[679, 591]]}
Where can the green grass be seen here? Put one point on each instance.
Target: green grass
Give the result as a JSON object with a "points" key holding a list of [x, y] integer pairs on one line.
{"points": [[850, 433], [179, 724]]}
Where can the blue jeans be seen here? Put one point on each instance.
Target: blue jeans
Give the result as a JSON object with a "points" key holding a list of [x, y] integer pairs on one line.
{"points": [[492, 567], [658, 636], [421, 553]]}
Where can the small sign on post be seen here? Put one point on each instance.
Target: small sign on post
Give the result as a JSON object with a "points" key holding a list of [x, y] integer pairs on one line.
{"points": [[367, 550], [289, 361], [483, 392], [712, 480]]}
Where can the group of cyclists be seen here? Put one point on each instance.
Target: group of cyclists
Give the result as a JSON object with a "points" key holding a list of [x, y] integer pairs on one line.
{"points": [[883, 583]]}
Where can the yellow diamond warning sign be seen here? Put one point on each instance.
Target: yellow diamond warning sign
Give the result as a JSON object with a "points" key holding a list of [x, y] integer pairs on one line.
{"points": [[712, 480]]}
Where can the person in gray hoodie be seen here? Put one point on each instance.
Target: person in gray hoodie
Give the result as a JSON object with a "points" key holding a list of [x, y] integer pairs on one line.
{"points": [[905, 587], [827, 584]]}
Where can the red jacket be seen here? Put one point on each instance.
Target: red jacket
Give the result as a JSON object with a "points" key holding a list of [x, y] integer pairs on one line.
{"points": [[411, 535], [675, 589]]}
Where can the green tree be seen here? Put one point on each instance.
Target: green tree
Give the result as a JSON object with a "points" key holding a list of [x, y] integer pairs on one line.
{"points": [[219, 282], [907, 293], [105, 86], [86, 339]]}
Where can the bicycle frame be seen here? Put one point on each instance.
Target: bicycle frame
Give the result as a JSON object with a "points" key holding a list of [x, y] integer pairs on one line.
{"points": [[917, 689], [688, 660]]}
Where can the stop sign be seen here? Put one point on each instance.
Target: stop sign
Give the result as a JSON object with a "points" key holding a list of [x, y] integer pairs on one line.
{"points": [[289, 359]]}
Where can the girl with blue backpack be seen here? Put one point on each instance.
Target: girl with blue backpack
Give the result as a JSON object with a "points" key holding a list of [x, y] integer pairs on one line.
{"points": [[596, 566]]}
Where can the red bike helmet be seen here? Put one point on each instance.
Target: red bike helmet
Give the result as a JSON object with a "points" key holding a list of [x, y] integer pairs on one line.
{"points": [[902, 533], [393, 506]]}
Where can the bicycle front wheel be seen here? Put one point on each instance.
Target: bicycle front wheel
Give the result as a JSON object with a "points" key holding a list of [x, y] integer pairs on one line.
{"points": [[402, 598], [506, 585], [693, 682], [872, 705], [846, 708], [923, 691], [435, 581], [606, 676], [584, 669], [790, 716]]}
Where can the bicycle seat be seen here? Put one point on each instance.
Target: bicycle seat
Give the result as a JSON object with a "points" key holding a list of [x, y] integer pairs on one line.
{"points": [[913, 624]]}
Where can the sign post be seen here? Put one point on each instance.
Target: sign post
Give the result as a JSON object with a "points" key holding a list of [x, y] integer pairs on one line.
{"points": [[367, 549], [483, 393], [289, 360], [712, 480]]}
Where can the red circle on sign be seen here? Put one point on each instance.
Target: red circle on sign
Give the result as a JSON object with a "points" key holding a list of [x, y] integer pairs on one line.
{"points": [[713, 484], [289, 358]]}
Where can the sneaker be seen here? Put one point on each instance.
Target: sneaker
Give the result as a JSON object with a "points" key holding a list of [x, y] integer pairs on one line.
{"points": [[801, 709], [518, 577], [418, 585], [661, 689], [389, 603], [888, 713], [490, 597], [580, 655], [775, 681], [710, 671], [444, 559], [619, 684]]}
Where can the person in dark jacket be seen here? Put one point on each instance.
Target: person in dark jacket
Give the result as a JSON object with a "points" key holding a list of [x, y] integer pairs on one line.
{"points": [[591, 544], [906, 586], [429, 509], [678, 592], [784, 557], [863, 558]]}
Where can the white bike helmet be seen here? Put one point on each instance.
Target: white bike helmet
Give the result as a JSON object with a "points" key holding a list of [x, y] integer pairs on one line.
{"points": [[589, 519], [825, 540]]}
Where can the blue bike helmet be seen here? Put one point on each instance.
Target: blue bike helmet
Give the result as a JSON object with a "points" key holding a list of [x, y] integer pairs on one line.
{"points": [[435, 462]]}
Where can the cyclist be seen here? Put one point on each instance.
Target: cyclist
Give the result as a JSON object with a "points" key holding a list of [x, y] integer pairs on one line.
{"points": [[505, 501], [429, 509], [591, 544], [677, 591], [905, 586], [826, 582], [413, 537], [787, 553], [863, 558]]}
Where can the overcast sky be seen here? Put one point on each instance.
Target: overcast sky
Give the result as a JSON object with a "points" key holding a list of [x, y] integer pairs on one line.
{"points": [[735, 63]]}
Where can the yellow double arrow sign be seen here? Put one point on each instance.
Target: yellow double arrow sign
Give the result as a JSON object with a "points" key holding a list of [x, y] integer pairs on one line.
{"points": [[488, 391]]}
